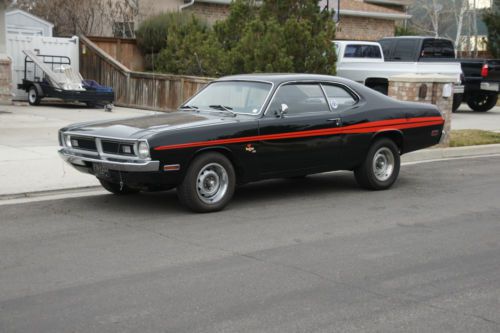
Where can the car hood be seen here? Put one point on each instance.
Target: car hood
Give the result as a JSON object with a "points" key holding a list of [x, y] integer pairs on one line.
{"points": [[140, 127]]}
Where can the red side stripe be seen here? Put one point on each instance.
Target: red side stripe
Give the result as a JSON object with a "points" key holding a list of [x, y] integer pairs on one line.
{"points": [[375, 126]]}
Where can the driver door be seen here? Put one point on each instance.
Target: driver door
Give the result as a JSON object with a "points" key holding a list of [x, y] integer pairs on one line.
{"points": [[293, 143]]}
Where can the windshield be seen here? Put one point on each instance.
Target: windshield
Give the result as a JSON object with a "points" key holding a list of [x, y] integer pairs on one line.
{"points": [[232, 96]]}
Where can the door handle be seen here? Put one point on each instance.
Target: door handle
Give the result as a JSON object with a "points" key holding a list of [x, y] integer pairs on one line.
{"points": [[335, 120]]}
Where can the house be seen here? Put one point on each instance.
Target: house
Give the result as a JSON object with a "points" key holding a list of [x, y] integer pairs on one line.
{"points": [[358, 19], [368, 19]]}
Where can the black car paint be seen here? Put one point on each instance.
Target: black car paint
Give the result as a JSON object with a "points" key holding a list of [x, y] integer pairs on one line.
{"points": [[261, 159]]}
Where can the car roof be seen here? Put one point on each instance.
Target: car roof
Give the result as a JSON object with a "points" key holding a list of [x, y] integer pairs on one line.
{"points": [[278, 78]]}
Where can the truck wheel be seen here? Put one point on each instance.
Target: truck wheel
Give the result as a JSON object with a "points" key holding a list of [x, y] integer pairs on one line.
{"points": [[209, 183], [116, 188], [380, 169], [33, 96], [482, 102], [457, 101]]}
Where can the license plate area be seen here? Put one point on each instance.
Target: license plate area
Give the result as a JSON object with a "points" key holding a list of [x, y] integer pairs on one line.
{"points": [[100, 170]]}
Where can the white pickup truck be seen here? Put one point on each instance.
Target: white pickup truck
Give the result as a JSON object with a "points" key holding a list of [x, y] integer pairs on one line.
{"points": [[364, 62]]}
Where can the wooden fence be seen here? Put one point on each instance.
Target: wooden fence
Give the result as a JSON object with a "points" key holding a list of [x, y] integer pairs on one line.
{"points": [[136, 89], [124, 50]]}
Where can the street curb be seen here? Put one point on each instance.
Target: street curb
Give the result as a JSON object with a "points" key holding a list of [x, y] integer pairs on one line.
{"points": [[410, 158], [454, 152], [44, 193]]}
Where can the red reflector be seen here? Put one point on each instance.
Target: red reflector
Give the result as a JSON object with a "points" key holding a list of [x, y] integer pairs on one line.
{"points": [[171, 167], [484, 70], [435, 133]]}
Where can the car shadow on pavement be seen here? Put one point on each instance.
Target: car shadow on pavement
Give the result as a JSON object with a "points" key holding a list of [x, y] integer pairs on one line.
{"points": [[246, 196]]}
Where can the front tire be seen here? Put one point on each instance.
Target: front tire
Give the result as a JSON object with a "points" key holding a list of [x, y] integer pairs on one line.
{"points": [[209, 183], [116, 188], [380, 169], [482, 102], [33, 96]]}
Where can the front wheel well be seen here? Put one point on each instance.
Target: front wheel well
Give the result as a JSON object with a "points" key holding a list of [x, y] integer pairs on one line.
{"points": [[227, 153], [395, 136]]}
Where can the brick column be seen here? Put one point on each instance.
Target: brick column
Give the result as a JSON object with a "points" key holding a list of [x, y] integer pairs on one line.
{"points": [[426, 88], [5, 80]]}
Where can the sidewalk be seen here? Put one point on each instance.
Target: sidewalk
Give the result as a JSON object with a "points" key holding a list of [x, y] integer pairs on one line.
{"points": [[29, 162]]}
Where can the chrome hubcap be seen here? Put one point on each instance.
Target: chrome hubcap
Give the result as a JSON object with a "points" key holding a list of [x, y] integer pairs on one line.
{"points": [[212, 183], [383, 164]]}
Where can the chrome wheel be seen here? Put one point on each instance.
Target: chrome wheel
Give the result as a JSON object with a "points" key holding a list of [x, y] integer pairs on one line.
{"points": [[212, 183], [383, 164]]}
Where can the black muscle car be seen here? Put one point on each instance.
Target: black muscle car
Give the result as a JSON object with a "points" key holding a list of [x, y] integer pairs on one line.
{"points": [[245, 128]]}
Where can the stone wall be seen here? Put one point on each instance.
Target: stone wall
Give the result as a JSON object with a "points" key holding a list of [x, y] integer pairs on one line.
{"points": [[364, 28], [5, 81], [407, 88]]}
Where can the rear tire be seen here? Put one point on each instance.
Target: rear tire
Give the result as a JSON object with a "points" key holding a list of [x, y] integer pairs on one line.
{"points": [[457, 101], [482, 102], [116, 188], [380, 169], [209, 183], [33, 96]]}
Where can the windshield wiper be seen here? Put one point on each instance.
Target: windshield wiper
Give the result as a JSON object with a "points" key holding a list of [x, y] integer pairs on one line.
{"points": [[188, 107], [223, 108]]}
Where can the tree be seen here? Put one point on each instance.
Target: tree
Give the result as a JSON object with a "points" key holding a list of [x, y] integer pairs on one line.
{"points": [[492, 20]]}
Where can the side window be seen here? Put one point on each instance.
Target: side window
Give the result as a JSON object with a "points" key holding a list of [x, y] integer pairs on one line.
{"points": [[386, 48], [362, 51], [404, 50], [300, 98], [339, 98]]}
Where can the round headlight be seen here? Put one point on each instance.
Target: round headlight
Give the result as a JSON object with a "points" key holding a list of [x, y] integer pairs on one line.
{"points": [[143, 150], [67, 140]]}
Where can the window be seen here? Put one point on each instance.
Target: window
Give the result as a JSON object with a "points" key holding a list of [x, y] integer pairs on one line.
{"points": [[437, 48], [386, 47], [238, 96], [405, 50], [123, 29], [300, 98], [339, 98], [362, 51]]}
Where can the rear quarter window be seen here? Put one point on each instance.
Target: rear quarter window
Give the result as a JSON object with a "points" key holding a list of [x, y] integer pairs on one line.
{"points": [[362, 51]]}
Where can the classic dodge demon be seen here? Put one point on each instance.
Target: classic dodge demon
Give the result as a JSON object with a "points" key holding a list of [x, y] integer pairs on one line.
{"points": [[246, 128]]}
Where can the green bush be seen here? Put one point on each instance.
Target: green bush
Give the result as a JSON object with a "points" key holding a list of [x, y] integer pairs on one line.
{"points": [[152, 34], [278, 36]]}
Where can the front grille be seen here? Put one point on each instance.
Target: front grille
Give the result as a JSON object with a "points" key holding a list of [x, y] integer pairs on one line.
{"points": [[110, 147], [120, 148], [84, 143]]}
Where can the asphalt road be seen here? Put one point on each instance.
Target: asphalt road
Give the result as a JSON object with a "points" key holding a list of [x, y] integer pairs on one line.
{"points": [[313, 255]]}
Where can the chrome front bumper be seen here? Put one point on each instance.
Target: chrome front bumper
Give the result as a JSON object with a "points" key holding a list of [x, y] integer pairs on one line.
{"points": [[77, 159]]}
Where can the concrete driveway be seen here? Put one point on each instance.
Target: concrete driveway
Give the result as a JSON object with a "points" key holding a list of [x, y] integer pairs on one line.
{"points": [[465, 118]]}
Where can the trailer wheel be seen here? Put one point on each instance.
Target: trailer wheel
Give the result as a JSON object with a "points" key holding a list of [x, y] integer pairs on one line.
{"points": [[33, 96]]}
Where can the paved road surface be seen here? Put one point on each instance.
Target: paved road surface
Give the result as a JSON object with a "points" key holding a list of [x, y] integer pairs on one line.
{"points": [[465, 118], [317, 255]]}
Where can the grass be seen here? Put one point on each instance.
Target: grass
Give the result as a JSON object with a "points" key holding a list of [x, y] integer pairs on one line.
{"points": [[461, 138]]}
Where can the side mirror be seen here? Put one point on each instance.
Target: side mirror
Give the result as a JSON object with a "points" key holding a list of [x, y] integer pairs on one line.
{"points": [[282, 111]]}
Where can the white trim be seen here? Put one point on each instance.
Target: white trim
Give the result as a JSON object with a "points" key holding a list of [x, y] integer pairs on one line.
{"points": [[384, 16], [36, 18]]}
